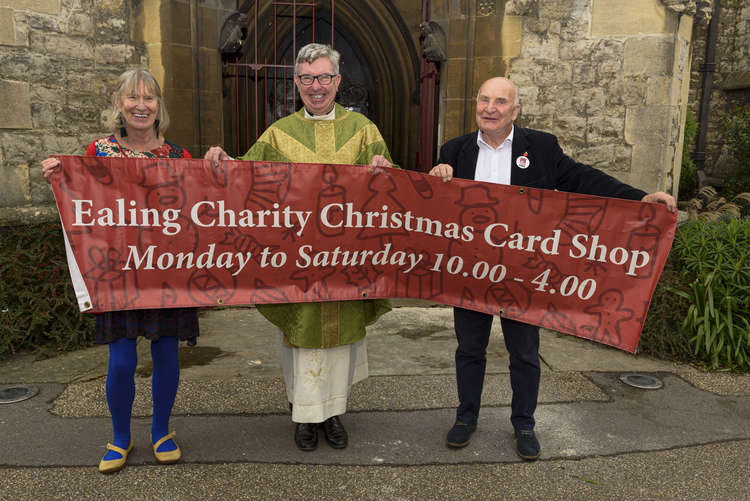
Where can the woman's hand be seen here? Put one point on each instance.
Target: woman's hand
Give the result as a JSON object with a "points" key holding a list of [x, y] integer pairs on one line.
{"points": [[49, 167]]}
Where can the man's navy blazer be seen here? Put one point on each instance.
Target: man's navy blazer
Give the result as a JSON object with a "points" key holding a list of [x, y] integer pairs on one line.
{"points": [[548, 167]]}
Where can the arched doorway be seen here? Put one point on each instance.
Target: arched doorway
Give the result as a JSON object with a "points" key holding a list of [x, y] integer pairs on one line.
{"points": [[379, 68]]}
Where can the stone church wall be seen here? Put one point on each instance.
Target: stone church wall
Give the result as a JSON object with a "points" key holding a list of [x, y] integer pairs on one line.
{"points": [[607, 77], [731, 76], [59, 60]]}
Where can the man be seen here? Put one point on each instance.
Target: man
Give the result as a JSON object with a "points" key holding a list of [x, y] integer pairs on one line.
{"points": [[501, 153], [323, 348]]}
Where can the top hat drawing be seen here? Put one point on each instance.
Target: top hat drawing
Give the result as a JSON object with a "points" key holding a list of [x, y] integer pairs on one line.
{"points": [[159, 174], [476, 196]]}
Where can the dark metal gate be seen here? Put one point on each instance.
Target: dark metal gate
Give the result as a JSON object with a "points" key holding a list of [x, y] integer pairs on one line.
{"points": [[261, 75]]}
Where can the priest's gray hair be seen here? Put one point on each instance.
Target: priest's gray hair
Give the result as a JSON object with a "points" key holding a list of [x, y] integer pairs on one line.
{"points": [[314, 51]]}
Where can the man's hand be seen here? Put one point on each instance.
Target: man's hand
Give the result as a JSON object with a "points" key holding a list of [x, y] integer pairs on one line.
{"points": [[662, 198], [49, 166], [216, 155], [380, 161], [442, 170]]}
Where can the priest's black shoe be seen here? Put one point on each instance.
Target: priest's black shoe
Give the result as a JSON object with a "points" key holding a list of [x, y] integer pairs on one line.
{"points": [[335, 433], [306, 436]]}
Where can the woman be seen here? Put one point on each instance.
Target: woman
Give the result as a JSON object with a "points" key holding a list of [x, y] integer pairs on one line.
{"points": [[139, 120]]}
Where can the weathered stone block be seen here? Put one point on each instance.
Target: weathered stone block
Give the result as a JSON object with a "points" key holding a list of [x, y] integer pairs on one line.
{"points": [[457, 38], [57, 44], [209, 30], [439, 9], [631, 92], [453, 119], [454, 78], [118, 54], [8, 34], [179, 102], [648, 166], [575, 50], [572, 129], [623, 157], [650, 56], [604, 129], [210, 68], [597, 156], [529, 96], [80, 24], [647, 124], [615, 17], [550, 72], [178, 24], [45, 6], [484, 68], [15, 105], [16, 189], [540, 46], [590, 101], [510, 36], [180, 66], [658, 90]]}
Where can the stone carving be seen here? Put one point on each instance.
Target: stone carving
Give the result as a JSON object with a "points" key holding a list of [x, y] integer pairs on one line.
{"points": [[434, 41], [701, 9], [681, 6], [486, 7], [519, 7], [233, 34], [704, 10]]}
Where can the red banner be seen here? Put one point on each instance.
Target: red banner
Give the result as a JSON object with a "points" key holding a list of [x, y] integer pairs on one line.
{"points": [[157, 233]]}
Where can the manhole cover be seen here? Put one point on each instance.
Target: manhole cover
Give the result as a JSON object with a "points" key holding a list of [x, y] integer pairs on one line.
{"points": [[17, 394], [642, 381]]}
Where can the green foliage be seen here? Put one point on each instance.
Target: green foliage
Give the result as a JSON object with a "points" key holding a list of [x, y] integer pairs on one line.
{"points": [[688, 172], [38, 308], [661, 335], [714, 257], [737, 132]]}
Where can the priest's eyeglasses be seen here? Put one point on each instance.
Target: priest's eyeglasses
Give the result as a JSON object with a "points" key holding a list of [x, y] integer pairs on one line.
{"points": [[323, 79]]}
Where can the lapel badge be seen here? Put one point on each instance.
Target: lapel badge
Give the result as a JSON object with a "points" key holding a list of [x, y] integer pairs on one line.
{"points": [[523, 161]]}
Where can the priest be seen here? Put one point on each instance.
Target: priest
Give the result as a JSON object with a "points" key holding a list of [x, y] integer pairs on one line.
{"points": [[323, 348]]}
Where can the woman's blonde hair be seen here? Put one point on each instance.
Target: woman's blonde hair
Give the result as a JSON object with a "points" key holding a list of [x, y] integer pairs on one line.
{"points": [[129, 82]]}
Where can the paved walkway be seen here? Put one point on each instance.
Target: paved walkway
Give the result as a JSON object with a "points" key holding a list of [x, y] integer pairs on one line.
{"points": [[601, 439]]}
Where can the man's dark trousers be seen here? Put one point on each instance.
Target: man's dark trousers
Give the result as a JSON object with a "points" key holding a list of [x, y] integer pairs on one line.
{"points": [[522, 342]]}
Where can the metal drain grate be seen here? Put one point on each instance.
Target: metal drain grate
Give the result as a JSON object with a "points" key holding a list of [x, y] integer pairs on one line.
{"points": [[14, 394], [643, 381]]}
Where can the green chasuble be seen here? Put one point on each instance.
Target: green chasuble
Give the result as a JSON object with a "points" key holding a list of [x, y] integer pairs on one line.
{"points": [[348, 139]]}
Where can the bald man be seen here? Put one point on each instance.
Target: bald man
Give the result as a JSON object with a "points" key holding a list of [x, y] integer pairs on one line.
{"points": [[501, 153]]}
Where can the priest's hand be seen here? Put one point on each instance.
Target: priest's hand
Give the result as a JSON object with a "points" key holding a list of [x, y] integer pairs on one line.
{"points": [[380, 161], [216, 154]]}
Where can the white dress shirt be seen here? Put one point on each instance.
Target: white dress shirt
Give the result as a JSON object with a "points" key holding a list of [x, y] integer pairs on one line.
{"points": [[493, 164]]}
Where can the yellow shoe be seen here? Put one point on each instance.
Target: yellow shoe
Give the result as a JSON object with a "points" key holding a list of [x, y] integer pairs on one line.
{"points": [[113, 465], [167, 457]]}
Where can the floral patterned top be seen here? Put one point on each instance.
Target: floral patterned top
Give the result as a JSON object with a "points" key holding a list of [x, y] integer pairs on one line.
{"points": [[109, 147]]}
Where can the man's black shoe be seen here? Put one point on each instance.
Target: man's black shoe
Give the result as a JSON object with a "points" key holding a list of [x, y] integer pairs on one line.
{"points": [[306, 436], [527, 446], [335, 433], [460, 434]]}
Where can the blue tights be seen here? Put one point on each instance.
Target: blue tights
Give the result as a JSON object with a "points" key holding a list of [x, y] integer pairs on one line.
{"points": [[123, 360]]}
